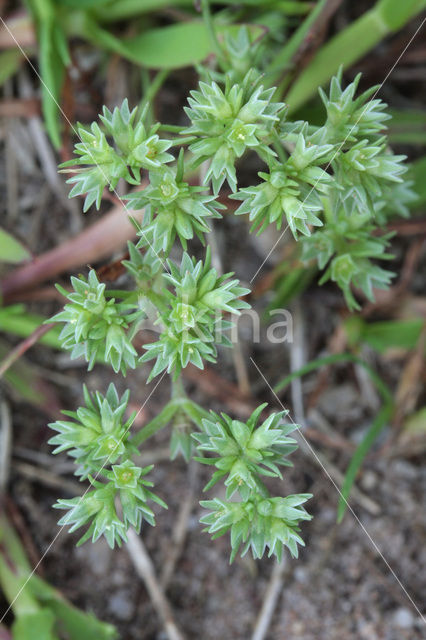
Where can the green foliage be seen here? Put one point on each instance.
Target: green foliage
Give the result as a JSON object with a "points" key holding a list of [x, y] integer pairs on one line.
{"points": [[291, 191], [11, 250], [334, 185], [54, 57], [192, 316], [97, 434], [103, 165], [173, 208], [229, 121], [341, 177], [144, 267], [347, 248], [362, 170], [246, 453], [350, 118], [10, 61], [258, 523], [96, 327], [98, 439], [350, 44], [180, 438], [97, 508]]}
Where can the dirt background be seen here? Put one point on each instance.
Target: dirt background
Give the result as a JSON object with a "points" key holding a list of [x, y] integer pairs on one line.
{"points": [[352, 581]]}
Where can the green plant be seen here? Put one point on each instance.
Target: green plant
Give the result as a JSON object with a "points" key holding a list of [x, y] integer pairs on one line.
{"points": [[333, 185], [161, 48], [165, 48], [40, 611]]}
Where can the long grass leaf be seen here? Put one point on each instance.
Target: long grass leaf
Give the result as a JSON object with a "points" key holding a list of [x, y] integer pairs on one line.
{"points": [[361, 451], [351, 44], [376, 427]]}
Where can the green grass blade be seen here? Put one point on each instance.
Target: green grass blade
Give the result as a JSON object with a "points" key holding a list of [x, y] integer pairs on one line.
{"points": [[334, 359], [122, 9], [11, 250], [361, 451], [282, 60], [77, 624], [16, 321], [53, 55], [417, 172], [351, 44], [9, 64], [377, 425], [160, 48], [407, 126], [157, 423]]}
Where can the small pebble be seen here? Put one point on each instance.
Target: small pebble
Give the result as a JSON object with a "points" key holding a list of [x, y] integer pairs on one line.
{"points": [[300, 574], [120, 605], [403, 618], [368, 480], [97, 556]]}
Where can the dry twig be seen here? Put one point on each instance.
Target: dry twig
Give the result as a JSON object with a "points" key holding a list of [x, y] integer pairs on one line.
{"points": [[270, 600], [181, 528], [145, 570], [5, 443]]}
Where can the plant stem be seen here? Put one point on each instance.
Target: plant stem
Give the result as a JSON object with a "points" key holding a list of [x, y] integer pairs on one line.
{"points": [[208, 20], [23, 346], [178, 391], [186, 140], [179, 401], [195, 412], [157, 423], [278, 146], [156, 300], [173, 128], [16, 321], [151, 89]]}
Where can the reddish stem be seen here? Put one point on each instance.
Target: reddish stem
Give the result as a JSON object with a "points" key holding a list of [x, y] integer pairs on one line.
{"points": [[23, 346], [94, 243]]}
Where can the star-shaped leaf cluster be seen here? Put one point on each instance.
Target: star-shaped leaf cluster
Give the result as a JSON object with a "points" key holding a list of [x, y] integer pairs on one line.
{"points": [[173, 208], [291, 191], [192, 319], [97, 433], [101, 163], [227, 121], [97, 437], [97, 328], [258, 523], [246, 454], [347, 249], [126, 483]]}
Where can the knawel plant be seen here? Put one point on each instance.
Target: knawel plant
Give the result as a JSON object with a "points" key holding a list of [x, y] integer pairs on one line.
{"points": [[334, 186]]}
